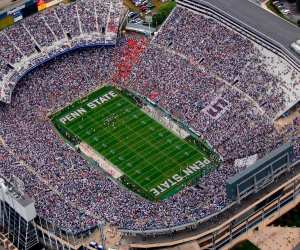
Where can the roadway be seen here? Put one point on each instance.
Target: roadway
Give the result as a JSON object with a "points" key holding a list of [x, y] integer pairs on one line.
{"points": [[7, 3], [267, 23]]}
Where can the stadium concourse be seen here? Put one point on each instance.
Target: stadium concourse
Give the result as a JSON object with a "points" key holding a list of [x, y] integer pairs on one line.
{"points": [[191, 64]]}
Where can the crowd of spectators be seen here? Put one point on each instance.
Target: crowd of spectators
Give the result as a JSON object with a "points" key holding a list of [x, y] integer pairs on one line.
{"points": [[191, 62], [46, 33], [37, 27], [229, 55], [241, 131]]}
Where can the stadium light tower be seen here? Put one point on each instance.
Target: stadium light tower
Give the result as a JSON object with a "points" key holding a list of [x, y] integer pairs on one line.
{"points": [[17, 213]]}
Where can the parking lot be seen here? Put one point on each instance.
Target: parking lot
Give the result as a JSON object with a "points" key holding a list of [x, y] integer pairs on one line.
{"points": [[282, 6], [285, 9], [139, 9]]}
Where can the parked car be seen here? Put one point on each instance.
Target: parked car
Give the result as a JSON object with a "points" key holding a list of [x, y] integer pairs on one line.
{"points": [[296, 46], [133, 15], [143, 8], [285, 11], [136, 20]]}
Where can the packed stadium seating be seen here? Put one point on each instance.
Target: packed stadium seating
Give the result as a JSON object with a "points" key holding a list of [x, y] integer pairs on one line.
{"points": [[46, 34], [192, 61], [233, 58]]}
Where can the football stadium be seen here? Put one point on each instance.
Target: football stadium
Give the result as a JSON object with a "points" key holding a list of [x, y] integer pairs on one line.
{"points": [[120, 130], [140, 152]]}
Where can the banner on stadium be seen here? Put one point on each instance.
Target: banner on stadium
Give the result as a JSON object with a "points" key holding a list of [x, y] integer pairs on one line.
{"points": [[246, 161], [41, 5], [6, 21]]}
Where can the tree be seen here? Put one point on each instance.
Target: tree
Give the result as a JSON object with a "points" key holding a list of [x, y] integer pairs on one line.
{"points": [[163, 12]]}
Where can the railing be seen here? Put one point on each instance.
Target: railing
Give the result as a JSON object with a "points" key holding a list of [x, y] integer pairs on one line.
{"points": [[48, 57], [261, 211], [188, 226], [6, 243]]}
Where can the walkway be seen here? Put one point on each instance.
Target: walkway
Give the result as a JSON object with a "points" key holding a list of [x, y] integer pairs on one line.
{"points": [[276, 238]]}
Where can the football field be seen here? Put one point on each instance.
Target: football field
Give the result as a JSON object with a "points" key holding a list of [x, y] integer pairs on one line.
{"points": [[152, 160]]}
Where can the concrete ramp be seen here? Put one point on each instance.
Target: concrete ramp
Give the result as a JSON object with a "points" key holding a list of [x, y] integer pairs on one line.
{"points": [[276, 238], [193, 245]]}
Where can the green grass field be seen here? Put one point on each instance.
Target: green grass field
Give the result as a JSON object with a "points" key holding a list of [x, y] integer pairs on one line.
{"points": [[153, 161]]}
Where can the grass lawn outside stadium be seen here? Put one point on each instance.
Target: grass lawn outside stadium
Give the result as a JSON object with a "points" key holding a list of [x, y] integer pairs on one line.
{"points": [[152, 160]]}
